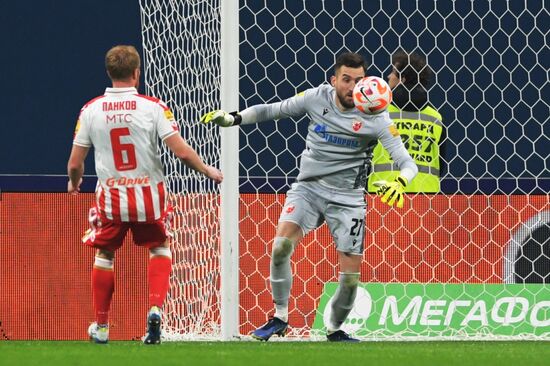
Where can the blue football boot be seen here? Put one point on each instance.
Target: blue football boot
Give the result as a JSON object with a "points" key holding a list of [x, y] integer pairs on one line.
{"points": [[153, 327], [341, 336], [273, 326]]}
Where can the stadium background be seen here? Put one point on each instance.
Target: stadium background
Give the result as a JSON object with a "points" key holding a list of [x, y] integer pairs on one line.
{"points": [[53, 64]]}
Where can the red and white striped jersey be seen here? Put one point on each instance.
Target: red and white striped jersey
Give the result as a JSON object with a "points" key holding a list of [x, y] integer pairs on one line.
{"points": [[124, 127]]}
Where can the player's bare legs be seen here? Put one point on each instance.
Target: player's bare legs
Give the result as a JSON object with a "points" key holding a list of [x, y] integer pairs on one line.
{"points": [[158, 275], [343, 299], [103, 286], [287, 236]]}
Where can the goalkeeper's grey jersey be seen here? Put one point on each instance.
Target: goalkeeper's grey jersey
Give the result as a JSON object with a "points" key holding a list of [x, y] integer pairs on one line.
{"points": [[339, 144]]}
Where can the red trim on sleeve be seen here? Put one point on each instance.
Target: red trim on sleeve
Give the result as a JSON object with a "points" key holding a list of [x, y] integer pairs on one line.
{"points": [[91, 101], [155, 100]]}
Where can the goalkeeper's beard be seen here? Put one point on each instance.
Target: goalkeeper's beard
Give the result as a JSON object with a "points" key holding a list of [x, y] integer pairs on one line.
{"points": [[346, 100]]}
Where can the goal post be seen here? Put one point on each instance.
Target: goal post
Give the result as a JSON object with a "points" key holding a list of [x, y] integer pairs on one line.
{"points": [[471, 262], [229, 163]]}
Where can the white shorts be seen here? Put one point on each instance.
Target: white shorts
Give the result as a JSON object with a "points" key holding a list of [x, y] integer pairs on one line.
{"points": [[309, 204]]}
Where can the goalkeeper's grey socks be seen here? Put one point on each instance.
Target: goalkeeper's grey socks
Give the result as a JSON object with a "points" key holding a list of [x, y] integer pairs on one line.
{"points": [[343, 299], [281, 275]]}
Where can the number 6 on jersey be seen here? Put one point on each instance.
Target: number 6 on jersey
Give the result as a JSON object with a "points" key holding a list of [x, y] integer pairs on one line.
{"points": [[124, 154]]}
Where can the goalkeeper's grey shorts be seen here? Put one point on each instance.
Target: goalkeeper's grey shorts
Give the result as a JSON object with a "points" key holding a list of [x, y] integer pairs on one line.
{"points": [[308, 204]]}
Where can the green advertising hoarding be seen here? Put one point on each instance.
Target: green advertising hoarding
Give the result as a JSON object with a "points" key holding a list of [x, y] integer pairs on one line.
{"points": [[443, 310]]}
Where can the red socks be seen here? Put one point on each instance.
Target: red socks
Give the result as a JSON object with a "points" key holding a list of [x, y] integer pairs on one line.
{"points": [[103, 283], [103, 286], [159, 279]]}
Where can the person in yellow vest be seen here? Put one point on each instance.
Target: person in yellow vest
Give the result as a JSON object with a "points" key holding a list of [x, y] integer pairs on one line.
{"points": [[418, 123]]}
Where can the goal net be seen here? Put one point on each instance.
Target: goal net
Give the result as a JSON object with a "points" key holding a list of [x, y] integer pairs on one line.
{"points": [[472, 261], [181, 58]]}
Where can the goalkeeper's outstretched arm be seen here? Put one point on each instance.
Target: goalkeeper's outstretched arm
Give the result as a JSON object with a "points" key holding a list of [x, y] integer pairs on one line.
{"points": [[291, 107]]}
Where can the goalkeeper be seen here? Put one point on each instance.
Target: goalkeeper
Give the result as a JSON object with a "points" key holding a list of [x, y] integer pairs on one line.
{"points": [[330, 186]]}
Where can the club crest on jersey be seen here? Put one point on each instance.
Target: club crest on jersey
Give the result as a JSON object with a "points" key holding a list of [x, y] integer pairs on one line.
{"points": [[325, 111], [169, 115], [356, 125], [289, 209]]}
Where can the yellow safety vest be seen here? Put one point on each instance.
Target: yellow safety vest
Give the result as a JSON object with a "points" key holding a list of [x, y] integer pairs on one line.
{"points": [[420, 132]]}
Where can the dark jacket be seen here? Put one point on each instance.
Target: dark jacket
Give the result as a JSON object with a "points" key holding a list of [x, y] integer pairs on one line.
{"points": [[410, 101]]}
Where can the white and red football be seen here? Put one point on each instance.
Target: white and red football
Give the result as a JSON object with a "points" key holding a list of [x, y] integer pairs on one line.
{"points": [[372, 95]]}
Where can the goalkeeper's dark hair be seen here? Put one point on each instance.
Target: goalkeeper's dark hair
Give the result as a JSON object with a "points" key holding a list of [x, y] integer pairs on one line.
{"points": [[350, 59], [412, 66], [121, 61]]}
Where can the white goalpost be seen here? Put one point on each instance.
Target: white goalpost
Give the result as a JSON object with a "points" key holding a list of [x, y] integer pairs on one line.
{"points": [[471, 262], [229, 163]]}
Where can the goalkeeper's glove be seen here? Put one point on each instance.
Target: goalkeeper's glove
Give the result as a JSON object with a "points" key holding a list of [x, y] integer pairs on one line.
{"points": [[392, 192], [222, 118]]}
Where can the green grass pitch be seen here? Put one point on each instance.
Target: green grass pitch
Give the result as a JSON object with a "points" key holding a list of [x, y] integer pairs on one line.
{"points": [[62, 353]]}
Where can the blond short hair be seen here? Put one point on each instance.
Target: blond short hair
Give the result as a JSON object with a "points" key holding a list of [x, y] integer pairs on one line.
{"points": [[121, 62]]}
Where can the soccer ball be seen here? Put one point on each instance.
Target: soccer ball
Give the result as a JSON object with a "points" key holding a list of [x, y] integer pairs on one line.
{"points": [[372, 95]]}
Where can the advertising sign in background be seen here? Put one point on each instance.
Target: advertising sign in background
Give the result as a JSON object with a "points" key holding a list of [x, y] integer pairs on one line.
{"points": [[45, 270], [439, 310]]}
